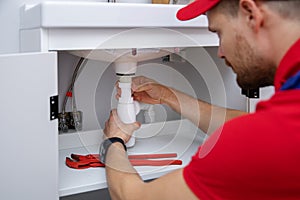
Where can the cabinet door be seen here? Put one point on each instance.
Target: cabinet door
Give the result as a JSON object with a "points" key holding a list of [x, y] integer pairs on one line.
{"points": [[29, 139]]}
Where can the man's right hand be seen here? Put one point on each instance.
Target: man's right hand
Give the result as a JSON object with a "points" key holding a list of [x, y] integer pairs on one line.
{"points": [[148, 91]]}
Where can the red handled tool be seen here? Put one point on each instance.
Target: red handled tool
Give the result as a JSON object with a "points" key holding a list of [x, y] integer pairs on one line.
{"points": [[92, 160]]}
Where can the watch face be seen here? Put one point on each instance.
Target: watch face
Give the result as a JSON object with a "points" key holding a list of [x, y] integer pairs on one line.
{"points": [[102, 152]]}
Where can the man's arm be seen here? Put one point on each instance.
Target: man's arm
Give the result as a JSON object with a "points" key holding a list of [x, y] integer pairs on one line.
{"points": [[123, 180], [204, 115]]}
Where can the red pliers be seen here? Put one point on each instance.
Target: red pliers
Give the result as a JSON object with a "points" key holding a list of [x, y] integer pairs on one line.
{"points": [[92, 160]]}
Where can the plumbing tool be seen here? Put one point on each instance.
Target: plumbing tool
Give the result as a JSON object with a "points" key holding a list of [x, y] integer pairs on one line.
{"points": [[93, 160]]}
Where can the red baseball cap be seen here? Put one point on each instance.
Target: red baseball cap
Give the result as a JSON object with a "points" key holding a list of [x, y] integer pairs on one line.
{"points": [[196, 8]]}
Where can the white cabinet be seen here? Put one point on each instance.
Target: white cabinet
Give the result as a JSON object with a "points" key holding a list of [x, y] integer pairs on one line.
{"points": [[29, 136]]}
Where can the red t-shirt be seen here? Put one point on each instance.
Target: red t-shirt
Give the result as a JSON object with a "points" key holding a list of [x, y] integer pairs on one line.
{"points": [[256, 156]]}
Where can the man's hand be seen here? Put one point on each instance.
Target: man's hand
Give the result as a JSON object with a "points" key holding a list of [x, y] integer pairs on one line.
{"points": [[147, 91], [115, 128]]}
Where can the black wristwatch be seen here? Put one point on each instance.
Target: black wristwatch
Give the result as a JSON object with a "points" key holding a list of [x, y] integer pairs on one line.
{"points": [[106, 144]]}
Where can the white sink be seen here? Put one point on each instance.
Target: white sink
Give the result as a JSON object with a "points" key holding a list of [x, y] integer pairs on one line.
{"points": [[99, 14], [86, 25]]}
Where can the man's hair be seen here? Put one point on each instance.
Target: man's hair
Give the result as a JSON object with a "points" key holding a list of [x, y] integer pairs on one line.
{"points": [[285, 8], [228, 7]]}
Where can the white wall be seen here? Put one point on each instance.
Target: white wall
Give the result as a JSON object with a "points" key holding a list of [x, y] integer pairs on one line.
{"points": [[9, 23], [202, 75]]}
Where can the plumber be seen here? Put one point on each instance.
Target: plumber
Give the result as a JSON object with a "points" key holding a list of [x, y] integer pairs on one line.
{"points": [[247, 156]]}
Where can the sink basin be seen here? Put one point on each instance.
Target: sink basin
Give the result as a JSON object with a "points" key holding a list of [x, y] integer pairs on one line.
{"points": [[88, 25], [100, 14]]}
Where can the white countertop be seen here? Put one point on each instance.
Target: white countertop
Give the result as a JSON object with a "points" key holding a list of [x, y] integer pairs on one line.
{"points": [[175, 137], [99, 14], [97, 25]]}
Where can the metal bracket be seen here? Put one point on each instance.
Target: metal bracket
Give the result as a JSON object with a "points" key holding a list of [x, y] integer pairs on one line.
{"points": [[251, 93], [54, 107]]}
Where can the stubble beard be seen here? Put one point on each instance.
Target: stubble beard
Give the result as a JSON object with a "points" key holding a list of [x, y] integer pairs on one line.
{"points": [[252, 70]]}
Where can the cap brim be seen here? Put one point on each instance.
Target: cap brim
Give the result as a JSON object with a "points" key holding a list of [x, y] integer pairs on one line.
{"points": [[195, 9]]}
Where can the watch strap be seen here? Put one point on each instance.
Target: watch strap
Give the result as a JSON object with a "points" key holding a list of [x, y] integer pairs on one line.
{"points": [[105, 146]]}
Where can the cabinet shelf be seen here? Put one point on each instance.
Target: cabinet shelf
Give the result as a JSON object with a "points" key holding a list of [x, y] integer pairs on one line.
{"points": [[179, 137]]}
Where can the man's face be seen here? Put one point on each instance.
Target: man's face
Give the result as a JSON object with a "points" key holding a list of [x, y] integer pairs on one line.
{"points": [[242, 56]]}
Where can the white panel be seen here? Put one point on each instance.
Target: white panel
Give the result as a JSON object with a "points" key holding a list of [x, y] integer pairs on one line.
{"points": [[32, 18], [29, 140], [98, 25], [34, 40], [120, 38], [98, 14]]}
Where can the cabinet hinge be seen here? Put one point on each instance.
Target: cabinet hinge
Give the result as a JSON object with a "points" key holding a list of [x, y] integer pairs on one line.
{"points": [[251, 93], [54, 107]]}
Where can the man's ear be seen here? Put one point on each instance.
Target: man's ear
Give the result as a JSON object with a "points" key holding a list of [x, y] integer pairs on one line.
{"points": [[251, 13]]}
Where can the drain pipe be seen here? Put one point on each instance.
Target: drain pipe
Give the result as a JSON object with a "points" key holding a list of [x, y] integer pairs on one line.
{"points": [[149, 113]]}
